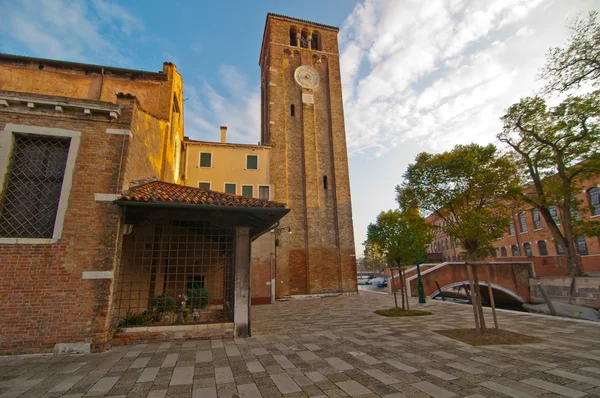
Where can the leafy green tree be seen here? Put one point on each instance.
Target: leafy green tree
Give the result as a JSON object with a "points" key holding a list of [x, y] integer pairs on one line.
{"points": [[400, 237], [556, 147], [579, 62], [464, 187], [373, 260]]}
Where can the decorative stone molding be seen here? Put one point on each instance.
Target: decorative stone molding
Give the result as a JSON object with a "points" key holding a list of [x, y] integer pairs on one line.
{"points": [[33, 102]]}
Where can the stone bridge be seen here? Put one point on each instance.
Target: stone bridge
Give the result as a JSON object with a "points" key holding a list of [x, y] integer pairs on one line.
{"points": [[509, 280]]}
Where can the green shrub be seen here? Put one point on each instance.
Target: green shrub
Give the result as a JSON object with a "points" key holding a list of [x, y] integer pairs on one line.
{"points": [[133, 319], [163, 303], [198, 297]]}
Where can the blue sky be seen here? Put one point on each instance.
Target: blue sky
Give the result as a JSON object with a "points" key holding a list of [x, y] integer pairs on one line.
{"points": [[417, 75]]}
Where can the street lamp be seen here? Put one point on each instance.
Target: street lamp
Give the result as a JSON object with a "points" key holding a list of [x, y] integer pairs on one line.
{"points": [[420, 284]]}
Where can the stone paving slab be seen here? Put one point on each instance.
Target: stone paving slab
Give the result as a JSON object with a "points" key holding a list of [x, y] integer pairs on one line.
{"points": [[321, 348]]}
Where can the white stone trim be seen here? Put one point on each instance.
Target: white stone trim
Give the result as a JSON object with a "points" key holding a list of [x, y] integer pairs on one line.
{"points": [[22, 97], [27, 241], [105, 197], [6, 143], [87, 275], [120, 132]]}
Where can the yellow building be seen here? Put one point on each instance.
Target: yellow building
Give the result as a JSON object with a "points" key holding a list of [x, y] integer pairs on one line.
{"points": [[239, 169]]}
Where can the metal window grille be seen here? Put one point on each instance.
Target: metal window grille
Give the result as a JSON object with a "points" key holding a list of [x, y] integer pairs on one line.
{"points": [[511, 228], [34, 181], [503, 251], [542, 248], [176, 272]]}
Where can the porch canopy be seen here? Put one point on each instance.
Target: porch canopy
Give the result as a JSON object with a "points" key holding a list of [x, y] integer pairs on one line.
{"points": [[181, 241], [223, 209]]}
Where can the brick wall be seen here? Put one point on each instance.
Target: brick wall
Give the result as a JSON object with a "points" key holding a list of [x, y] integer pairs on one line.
{"points": [[306, 147], [44, 298]]}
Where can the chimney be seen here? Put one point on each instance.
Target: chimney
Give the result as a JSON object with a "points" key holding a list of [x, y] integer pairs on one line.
{"points": [[223, 134]]}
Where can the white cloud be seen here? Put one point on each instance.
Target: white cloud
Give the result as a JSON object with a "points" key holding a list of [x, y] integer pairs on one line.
{"points": [[67, 29], [237, 107], [441, 71], [427, 75]]}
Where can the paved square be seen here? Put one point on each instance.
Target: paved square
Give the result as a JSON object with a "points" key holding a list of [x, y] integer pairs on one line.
{"points": [[330, 347]]}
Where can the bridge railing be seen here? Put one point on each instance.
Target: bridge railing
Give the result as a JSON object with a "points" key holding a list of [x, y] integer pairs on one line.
{"points": [[503, 274]]}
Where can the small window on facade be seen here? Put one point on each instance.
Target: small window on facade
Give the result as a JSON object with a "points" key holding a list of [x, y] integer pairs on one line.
{"points": [[503, 252], [537, 221], [511, 228], [515, 250], [204, 185], [205, 159], [33, 186], [594, 198], [554, 214], [527, 247], [293, 38], [582, 246], [230, 188], [559, 249], [263, 192], [248, 190], [324, 182], [542, 248], [292, 110], [522, 222], [251, 162], [446, 244]]}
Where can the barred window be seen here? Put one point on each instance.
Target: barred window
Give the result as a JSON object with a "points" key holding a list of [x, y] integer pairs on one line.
{"points": [[594, 197], [511, 228], [537, 220], [503, 251], [29, 202], [522, 222], [559, 249]]}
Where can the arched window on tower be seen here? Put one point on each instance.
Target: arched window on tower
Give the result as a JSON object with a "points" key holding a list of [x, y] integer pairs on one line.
{"points": [[293, 37], [304, 39], [315, 42], [324, 182], [292, 110]]}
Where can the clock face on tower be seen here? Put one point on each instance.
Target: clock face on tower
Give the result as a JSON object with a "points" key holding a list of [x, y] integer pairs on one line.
{"points": [[306, 77]]}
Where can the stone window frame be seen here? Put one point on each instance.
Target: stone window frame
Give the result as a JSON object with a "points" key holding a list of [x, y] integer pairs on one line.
{"points": [[205, 182], [247, 185], [257, 162], [200, 160], [6, 147], [265, 186], [229, 183], [535, 221]]}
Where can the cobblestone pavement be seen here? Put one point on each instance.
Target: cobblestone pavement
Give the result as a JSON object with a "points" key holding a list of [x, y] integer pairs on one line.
{"points": [[331, 347]]}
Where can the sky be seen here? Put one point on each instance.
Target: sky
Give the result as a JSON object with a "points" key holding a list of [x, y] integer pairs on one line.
{"points": [[417, 76]]}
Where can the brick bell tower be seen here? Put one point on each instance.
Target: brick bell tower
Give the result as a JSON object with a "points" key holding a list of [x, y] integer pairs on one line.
{"points": [[303, 121]]}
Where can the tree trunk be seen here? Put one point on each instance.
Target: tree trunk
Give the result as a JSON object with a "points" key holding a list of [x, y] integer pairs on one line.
{"points": [[478, 298]]}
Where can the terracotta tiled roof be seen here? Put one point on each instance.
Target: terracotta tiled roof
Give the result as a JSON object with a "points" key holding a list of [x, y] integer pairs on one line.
{"points": [[164, 192]]}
